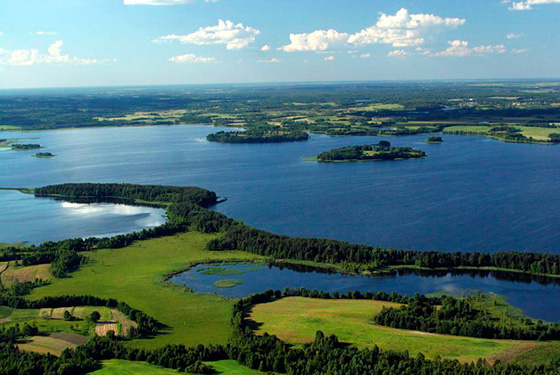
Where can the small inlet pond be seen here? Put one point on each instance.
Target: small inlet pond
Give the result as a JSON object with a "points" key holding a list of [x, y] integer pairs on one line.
{"points": [[48, 219], [537, 299]]}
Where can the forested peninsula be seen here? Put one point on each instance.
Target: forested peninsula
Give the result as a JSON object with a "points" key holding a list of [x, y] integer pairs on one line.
{"points": [[258, 137], [187, 207]]}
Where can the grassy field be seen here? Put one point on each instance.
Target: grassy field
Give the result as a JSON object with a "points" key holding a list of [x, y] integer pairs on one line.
{"points": [[134, 275], [23, 274], [382, 106], [230, 367], [540, 134], [121, 367], [297, 319]]}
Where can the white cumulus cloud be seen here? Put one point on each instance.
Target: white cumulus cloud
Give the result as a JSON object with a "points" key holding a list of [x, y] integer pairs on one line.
{"points": [[191, 58], [266, 47], [403, 29], [519, 50], [329, 58], [365, 56], [528, 4], [461, 48], [44, 33], [27, 57], [234, 36], [318, 40]]}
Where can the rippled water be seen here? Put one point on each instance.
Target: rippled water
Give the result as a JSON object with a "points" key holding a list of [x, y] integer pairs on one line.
{"points": [[470, 193]]}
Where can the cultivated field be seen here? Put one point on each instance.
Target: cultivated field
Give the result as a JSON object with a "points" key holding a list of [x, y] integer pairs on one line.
{"points": [[53, 344], [134, 275], [297, 319]]}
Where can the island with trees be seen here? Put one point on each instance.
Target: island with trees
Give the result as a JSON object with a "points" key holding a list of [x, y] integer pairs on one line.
{"points": [[271, 136], [435, 139], [380, 151], [44, 155], [25, 147]]}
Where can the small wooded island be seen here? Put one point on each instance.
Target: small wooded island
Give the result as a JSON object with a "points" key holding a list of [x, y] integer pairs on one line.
{"points": [[43, 155], [381, 151], [435, 139], [24, 147], [270, 136]]}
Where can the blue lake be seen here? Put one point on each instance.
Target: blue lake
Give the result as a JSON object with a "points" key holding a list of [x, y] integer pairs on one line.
{"points": [[536, 300], [470, 193], [36, 220]]}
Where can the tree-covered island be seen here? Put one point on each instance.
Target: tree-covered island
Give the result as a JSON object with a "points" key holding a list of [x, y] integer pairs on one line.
{"points": [[25, 147], [381, 151], [44, 155], [269, 136], [435, 139]]}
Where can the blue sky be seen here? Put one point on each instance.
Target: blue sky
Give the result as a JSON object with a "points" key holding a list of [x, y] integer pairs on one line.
{"points": [[45, 43]]}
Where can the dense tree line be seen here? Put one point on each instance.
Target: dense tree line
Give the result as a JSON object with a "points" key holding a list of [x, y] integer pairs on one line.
{"points": [[370, 152], [357, 257], [22, 147], [255, 136], [458, 316], [148, 193]]}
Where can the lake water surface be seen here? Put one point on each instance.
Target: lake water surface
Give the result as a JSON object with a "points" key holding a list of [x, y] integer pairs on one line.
{"points": [[470, 193], [36, 220], [536, 300]]}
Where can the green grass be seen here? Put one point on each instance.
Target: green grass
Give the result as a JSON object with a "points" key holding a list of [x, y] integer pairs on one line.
{"points": [[541, 355], [134, 275], [382, 106], [539, 134], [297, 319], [121, 367], [230, 367], [9, 127], [51, 325], [467, 128], [227, 283]]}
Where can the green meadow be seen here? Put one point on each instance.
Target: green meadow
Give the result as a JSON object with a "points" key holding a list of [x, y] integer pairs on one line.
{"points": [[135, 275], [121, 367], [297, 319]]}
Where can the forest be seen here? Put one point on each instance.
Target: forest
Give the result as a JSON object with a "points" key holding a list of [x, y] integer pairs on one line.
{"points": [[369, 152], [272, 136], [458, 316]]}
